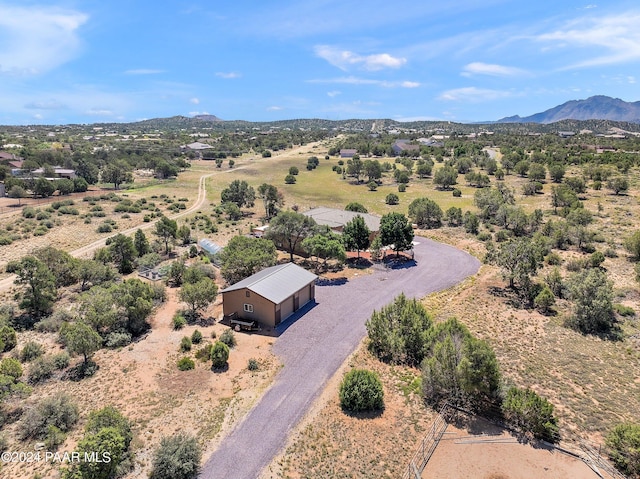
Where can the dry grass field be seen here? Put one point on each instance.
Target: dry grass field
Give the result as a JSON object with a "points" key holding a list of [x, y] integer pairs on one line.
{"points": [[593, 383]]}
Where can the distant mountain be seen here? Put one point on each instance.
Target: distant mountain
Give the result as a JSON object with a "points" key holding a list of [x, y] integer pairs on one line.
{"points": [[207, 118], [594, 108]]}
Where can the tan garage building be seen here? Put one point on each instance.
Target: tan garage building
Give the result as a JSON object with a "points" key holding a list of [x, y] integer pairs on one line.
{"points": [[271, 295]]}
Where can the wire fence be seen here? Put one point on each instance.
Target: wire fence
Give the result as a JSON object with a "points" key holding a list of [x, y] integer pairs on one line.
{"points": [[589, 453]]}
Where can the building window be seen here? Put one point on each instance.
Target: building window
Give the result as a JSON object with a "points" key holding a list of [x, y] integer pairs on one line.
{"points": [[247, 293], [248, 308]]}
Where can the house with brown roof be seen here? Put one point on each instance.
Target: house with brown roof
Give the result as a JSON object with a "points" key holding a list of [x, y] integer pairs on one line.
{"points": [[404, 145]]}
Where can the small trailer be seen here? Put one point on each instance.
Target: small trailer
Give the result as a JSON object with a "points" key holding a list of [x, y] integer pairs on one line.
{"points": [[239, 324]]}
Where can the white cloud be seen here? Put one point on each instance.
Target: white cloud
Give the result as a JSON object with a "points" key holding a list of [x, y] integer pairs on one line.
{"points": [[228, 75], [195, 101], [618, 35], [479, 68], [45, 105], [333, 93], [194, 113], [473, 94], [99, 112], [351, 80], [275, 108], [143, 71], [38, 116], [36, 39], [344, 59]]}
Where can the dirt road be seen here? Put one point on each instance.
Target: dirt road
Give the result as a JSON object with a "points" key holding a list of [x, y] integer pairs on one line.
{"points": [[314, 346]]}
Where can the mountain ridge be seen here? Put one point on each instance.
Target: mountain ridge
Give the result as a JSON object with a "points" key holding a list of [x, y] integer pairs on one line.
{"points": [[598, 107]]}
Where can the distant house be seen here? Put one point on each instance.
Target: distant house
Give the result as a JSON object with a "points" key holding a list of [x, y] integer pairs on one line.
{"points": [[6, 157], [336, 219], [403, 145], [197, 146], [271, 295], [566, 134], [348, 152], [59, 172], [430, 142]]}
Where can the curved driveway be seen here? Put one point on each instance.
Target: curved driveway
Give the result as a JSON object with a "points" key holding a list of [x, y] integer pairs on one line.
{"points": [[314, 346]]}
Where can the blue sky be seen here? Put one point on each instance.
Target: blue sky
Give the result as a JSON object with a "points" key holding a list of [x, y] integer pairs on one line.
{"points": [[74, 61]]}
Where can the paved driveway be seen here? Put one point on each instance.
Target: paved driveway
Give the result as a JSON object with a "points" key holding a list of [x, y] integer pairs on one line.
{"points": [[314, 346]]}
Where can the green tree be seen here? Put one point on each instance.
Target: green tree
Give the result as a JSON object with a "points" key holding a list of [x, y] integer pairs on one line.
{"points": [[65, 186], [198, 295], [167, 230], [107, 446], [219, 354], [396, 230], [184, 234], [544, 300], [372, 169], [531, 413], [40, 292], [392, 199], [458, 368], [240, 193], [426, 213], [289, 229], [271, 198], [11, 367], [81, 339], [519, 259], [325, 245], [355, 167], [592, 295], [141, 243], [624, 448], [522, 167], [557, 172], [63, 266], [357, 207], [618, 184], [445, 177], [294, 170], [356, 234], [177, 457], [92, 273], [290, 179], [537, 172], [398, 331], [8, 338], [117, 172], [123, 252], [18, 192], [632, 245], [360, 391], [43, 188], [245, 256], [110, 417]]}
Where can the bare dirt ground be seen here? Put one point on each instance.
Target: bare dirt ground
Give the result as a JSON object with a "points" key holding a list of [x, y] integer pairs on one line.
{"points": [[142, 380], [491, 453]]}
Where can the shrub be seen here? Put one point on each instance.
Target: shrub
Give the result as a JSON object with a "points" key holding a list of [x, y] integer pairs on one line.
{"points": [[554, 259], [360, 391], [117, 339], [177, 457], [289, 179], [41, 369], [545, 300], [179, 321], [531, 413], [253, 365], [632, 245], [196, 337], [8, 338], [624, 448], [402, 187], [396, 332], [58, 411], [11, 367], [185, 344], [592, 293], [219, 354], [456, 193], [392, 199], [204, 353], [228, 338], [484, 236], [104, 228], [30, 351], [185, 364], [623, 310], [29, 212], [60, 360], [596, 259]]}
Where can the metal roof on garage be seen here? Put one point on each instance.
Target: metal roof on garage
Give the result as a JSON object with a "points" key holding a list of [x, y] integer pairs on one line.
{"points": [[276, 283]]}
